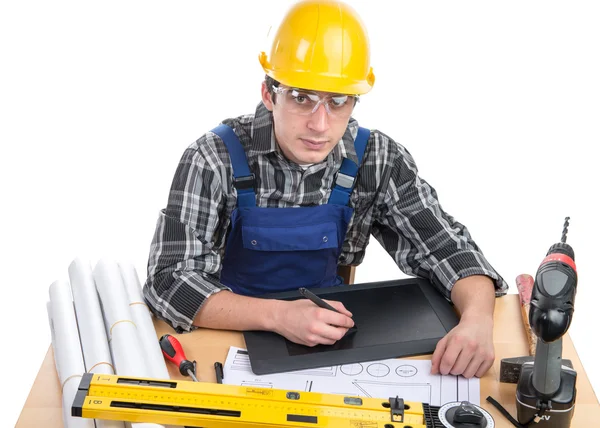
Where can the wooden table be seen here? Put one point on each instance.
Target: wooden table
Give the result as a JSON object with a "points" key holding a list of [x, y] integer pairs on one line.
{"points": [[43, 405]]}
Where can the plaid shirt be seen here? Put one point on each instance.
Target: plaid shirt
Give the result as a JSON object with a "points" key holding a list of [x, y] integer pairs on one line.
{"points": [[390, 202]]}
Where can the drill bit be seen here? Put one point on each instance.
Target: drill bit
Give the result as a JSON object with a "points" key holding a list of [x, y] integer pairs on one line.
{"points": [[565, 230]]}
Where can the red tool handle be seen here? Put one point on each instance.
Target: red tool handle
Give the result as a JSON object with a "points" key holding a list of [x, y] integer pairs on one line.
{"points": [[525, 287], [172, 350]]}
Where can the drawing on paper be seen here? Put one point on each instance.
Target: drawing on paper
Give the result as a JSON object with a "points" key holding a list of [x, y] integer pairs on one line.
{"points": [[240, 360], [330, 371], [351, 369], [378, 370], [257, 384], [406, 370], [409, 379], [417, 391]]}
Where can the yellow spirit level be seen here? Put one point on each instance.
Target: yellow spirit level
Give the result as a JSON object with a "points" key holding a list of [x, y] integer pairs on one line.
{"points": [[211, 405]]}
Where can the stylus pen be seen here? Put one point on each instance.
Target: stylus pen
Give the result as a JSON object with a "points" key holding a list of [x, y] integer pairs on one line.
{"points": [[219, 372], [321, 303]]}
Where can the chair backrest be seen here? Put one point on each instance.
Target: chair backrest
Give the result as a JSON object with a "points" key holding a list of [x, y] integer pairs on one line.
{"points": [[347, 272]]}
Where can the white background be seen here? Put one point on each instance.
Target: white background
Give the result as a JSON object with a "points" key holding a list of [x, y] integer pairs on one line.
{"points": [[498, 103]]}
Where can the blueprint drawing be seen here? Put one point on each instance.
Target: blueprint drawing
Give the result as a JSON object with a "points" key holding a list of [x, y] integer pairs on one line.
{"points": [[407, 379]]}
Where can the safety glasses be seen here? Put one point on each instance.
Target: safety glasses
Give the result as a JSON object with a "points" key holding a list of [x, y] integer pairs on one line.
{"points": [[304, 103]]}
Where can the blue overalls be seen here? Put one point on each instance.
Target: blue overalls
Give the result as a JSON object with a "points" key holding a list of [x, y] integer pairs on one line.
{"points": [[279, 249]]}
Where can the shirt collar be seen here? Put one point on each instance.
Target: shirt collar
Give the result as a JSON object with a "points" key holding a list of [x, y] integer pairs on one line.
{"points": [[263, 137]]}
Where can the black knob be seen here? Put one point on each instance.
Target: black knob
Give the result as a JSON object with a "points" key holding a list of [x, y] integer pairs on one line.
{"points": [[468, 414]]}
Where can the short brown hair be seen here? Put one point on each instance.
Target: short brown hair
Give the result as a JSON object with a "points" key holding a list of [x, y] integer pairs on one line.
{"points": [[271, 83]]}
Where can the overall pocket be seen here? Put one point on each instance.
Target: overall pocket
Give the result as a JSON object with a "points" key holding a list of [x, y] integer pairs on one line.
{"points": [[297, 238], [284, 258]]}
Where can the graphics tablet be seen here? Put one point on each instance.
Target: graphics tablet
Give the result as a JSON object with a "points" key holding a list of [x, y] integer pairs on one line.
{"points": [[397, 318]]}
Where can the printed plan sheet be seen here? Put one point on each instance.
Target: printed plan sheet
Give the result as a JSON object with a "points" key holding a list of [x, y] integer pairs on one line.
{"points": [[407, 379]]}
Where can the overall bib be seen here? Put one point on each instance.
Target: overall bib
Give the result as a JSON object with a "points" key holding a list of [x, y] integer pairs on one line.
{"points": [[279, 249]]}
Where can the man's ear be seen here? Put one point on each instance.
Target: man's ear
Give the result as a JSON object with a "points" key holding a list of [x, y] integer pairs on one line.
{"points": [[266, 97]]}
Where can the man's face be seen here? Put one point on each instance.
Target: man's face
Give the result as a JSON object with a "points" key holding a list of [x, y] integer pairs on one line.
{"points": [[306, 136]]}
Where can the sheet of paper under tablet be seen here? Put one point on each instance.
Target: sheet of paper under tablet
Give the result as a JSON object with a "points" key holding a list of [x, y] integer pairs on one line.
{"points": [[407, 379]]}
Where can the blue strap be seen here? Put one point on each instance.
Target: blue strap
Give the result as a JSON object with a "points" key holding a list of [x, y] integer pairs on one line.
{"points": [[243, 179], [344, 181]]}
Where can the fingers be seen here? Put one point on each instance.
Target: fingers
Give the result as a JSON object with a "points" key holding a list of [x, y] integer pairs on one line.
{"points": [[479, 365], [313, 340], [331, 324], [328, 334], [437, 355], [472, 361], [466, 350], [469, 351], [449, 357], [472, 367], [307, 324], [340, 307], [316, 336], [323, 334], [328, 327], [334, 318]]}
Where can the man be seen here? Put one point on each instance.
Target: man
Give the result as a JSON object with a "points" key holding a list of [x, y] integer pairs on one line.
{"points": [[277, 200]]}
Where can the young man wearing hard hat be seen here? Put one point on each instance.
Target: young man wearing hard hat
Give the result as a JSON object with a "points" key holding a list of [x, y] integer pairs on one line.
{"points": [[277, 200]]}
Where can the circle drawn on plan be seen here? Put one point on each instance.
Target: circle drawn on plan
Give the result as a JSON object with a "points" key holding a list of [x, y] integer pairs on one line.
{"points": [[352, 369], [378, 370], [406, 370]]}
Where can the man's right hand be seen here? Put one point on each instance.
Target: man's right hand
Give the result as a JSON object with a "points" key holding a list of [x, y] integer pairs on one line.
{"points": [[303, 322]]}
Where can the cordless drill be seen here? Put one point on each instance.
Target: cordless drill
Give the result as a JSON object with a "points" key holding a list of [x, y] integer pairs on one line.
{"points": [[546, 388]]}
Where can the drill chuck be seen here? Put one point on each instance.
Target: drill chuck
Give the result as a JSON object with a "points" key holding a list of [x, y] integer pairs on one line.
{"points": [[562, 248]]}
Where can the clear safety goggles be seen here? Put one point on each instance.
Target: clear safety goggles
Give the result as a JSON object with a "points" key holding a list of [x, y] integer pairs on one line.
{"points": [[304, 103]]}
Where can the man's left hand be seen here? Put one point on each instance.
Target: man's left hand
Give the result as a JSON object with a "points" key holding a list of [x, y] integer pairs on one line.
{"points": [[468, 348]]}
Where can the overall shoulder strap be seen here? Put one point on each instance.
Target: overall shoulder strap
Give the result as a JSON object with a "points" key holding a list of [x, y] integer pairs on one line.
{"points": [[243, 179], [344, 180]]}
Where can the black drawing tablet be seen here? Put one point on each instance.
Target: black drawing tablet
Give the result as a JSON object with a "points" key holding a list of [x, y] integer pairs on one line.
{"points": [[397, 318]]}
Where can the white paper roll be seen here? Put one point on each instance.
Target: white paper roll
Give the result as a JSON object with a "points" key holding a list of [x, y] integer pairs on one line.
{"points": [[126, 346], [67, 350], [92, 333], [125, 343], [143, 320], [96, 353]]}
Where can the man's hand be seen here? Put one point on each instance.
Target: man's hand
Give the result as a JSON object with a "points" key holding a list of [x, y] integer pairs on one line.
{"points": [[301, 321], [468, 349]]}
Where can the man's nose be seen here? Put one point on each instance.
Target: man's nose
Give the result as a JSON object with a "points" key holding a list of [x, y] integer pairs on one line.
{"points": [[319, 120]]}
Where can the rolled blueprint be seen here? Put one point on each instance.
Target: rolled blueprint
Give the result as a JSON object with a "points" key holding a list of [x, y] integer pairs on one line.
{"points": [[124, 337], [125, 343], [96, 353], [92, 333], [68, 356], [143, 320]]}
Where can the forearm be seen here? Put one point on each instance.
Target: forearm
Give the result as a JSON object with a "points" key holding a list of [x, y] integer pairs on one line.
{"points": [[474, 297], [468, 348], [229, 311]]}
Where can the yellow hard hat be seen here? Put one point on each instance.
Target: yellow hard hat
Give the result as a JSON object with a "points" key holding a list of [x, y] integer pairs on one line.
{"points": [[321, 45]]}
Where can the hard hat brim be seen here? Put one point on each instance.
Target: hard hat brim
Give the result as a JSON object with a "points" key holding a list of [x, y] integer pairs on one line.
{"points": [[323, 83]]}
